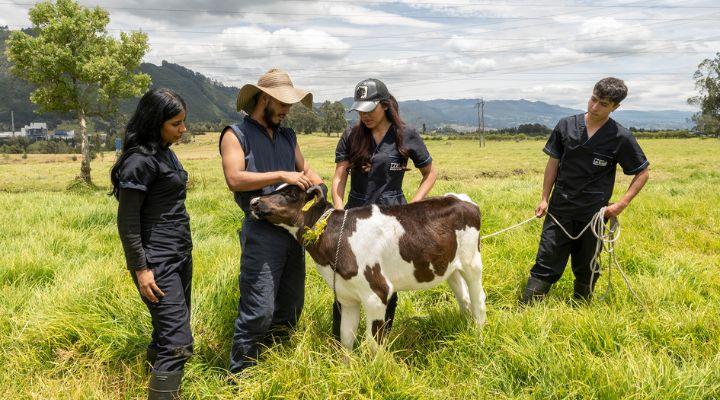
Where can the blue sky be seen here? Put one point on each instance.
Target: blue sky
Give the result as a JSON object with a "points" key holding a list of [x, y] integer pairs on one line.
{"points": [[553, 51]]}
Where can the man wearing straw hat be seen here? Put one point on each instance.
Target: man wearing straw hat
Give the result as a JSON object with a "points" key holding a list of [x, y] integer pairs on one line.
{"points": [[257, 156]]}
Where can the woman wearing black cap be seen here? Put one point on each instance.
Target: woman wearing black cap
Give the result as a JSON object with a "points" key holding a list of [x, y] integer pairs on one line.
{"points": [[374, 152], [150, 185]]}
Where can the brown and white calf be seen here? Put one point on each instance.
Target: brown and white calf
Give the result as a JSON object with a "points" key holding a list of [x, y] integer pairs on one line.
{"points": [[384, 250]]}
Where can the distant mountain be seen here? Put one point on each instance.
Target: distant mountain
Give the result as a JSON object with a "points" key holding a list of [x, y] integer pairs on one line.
{"points": [[211, 101], [510, 113], [207, 100], [15, 95], [661, 119]]}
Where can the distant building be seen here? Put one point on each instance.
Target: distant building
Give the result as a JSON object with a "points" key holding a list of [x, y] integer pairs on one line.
{"points": [[35, 131], [8, 135], [63, 135]]}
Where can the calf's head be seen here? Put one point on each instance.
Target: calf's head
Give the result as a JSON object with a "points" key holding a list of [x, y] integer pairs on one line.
{"points": [[289, 205]]}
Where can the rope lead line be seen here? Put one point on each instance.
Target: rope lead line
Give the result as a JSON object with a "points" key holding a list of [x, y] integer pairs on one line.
{"points": [[337, 253], [606, 236]]}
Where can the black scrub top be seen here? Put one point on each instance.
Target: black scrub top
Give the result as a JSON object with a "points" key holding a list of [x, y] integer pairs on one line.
{"points": [[586, 173], [263, 154], [164, 221], [382, 185]]}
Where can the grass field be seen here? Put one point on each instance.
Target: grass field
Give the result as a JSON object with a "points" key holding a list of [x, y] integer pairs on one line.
{"points": [[72, 325]]}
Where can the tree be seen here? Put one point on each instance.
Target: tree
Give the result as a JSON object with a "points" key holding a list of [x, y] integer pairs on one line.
{"points": [[76, 66], [302, 119], [332, 117], [707, 83]]}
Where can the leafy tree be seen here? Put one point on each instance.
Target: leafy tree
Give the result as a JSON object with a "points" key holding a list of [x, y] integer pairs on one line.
{"points": [[49, 147], [76, 66], [707, 83], [447, 130], [332, 117], [533, 128], [302, 119]]}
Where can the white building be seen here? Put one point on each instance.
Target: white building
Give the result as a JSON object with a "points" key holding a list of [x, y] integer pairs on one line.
{"points": [[35, 131], [64, 135]]}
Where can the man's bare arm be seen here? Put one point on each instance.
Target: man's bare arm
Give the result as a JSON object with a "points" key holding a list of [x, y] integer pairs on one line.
{"points": [[636, 185], [239, 180], [551, 170]]}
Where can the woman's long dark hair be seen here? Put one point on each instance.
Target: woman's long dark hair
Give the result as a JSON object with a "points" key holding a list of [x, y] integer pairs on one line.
{"points": [[142, 133], [359, 153]]}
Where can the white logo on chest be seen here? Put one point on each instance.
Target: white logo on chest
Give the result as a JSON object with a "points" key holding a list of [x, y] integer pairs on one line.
{"points": [[396, 166], [599, 162]]}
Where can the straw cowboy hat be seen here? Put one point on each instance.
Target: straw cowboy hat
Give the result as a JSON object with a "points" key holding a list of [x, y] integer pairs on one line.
{"points": [[278, 85]]}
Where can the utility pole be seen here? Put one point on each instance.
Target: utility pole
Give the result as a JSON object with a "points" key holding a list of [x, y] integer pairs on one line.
{"points": [[12, 122], [481, 120]]}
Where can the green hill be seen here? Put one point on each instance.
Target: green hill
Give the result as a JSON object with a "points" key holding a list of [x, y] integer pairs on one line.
{"points": [[208, 100], [211, 103], [16, 95]]}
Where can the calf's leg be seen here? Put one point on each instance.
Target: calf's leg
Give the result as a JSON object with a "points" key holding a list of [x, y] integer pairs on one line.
{"points": [[349, 320], [460, 288], [375, 321], [473, 278]]}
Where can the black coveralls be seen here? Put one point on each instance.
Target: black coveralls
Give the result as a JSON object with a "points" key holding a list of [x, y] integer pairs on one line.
{"points": [[382, 185], [154, 228], [584, 184], [272, 263]]}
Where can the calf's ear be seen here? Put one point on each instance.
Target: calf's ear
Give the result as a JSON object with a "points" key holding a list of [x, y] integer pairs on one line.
{"points": [[319, 191]]}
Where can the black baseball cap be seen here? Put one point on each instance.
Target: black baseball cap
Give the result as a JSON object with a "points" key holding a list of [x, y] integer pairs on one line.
{"points": [[368, 94]]}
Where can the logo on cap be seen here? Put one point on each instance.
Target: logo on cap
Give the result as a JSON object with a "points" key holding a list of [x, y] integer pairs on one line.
{"points": [[361, 92]]}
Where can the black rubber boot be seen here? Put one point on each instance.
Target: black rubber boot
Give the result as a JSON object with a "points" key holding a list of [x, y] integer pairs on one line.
{"points": [[151, 356], [535, 290], [583, 291], [165, 385]]}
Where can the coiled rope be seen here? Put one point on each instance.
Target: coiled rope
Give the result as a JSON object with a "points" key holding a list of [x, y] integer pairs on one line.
{"points": [[606, 234]]}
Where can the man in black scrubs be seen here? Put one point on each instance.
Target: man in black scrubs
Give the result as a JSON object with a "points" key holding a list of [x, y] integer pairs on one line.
{"points": [[257, 156], [584, 150]]}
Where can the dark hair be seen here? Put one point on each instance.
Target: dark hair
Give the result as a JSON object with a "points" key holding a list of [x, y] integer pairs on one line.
{"points": [[611, 88], [142, 133], [359, 153]]}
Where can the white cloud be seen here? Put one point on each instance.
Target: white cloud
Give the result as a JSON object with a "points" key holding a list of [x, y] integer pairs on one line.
{"points": [[603, 34], [552, 52], [14, 16], [254, 42], [366, 16]]}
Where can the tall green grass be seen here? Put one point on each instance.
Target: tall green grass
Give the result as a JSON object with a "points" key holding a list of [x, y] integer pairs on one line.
{"points": [[72, 325]]}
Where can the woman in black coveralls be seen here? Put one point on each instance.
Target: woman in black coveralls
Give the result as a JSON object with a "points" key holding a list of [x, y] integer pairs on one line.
{"points": [[374, 153], [154, 227]]}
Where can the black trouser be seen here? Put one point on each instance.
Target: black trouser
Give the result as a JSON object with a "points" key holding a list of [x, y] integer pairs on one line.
{"points": [[389, 315], [272, 288], [555, 248], [171, 336]]}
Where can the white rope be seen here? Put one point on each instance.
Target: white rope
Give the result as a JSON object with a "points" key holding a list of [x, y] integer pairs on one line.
{"points": [[606, 237], [337, 252], [509, 228]]}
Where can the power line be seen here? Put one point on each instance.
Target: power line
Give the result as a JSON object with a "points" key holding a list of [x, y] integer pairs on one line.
{"points": [[405, 42], [439, 51], [476, 4], [378, 37], [505, 71], [330, 15]]}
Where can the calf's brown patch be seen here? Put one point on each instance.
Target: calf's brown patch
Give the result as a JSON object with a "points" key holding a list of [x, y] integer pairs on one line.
{"points": [[377, 282]]}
